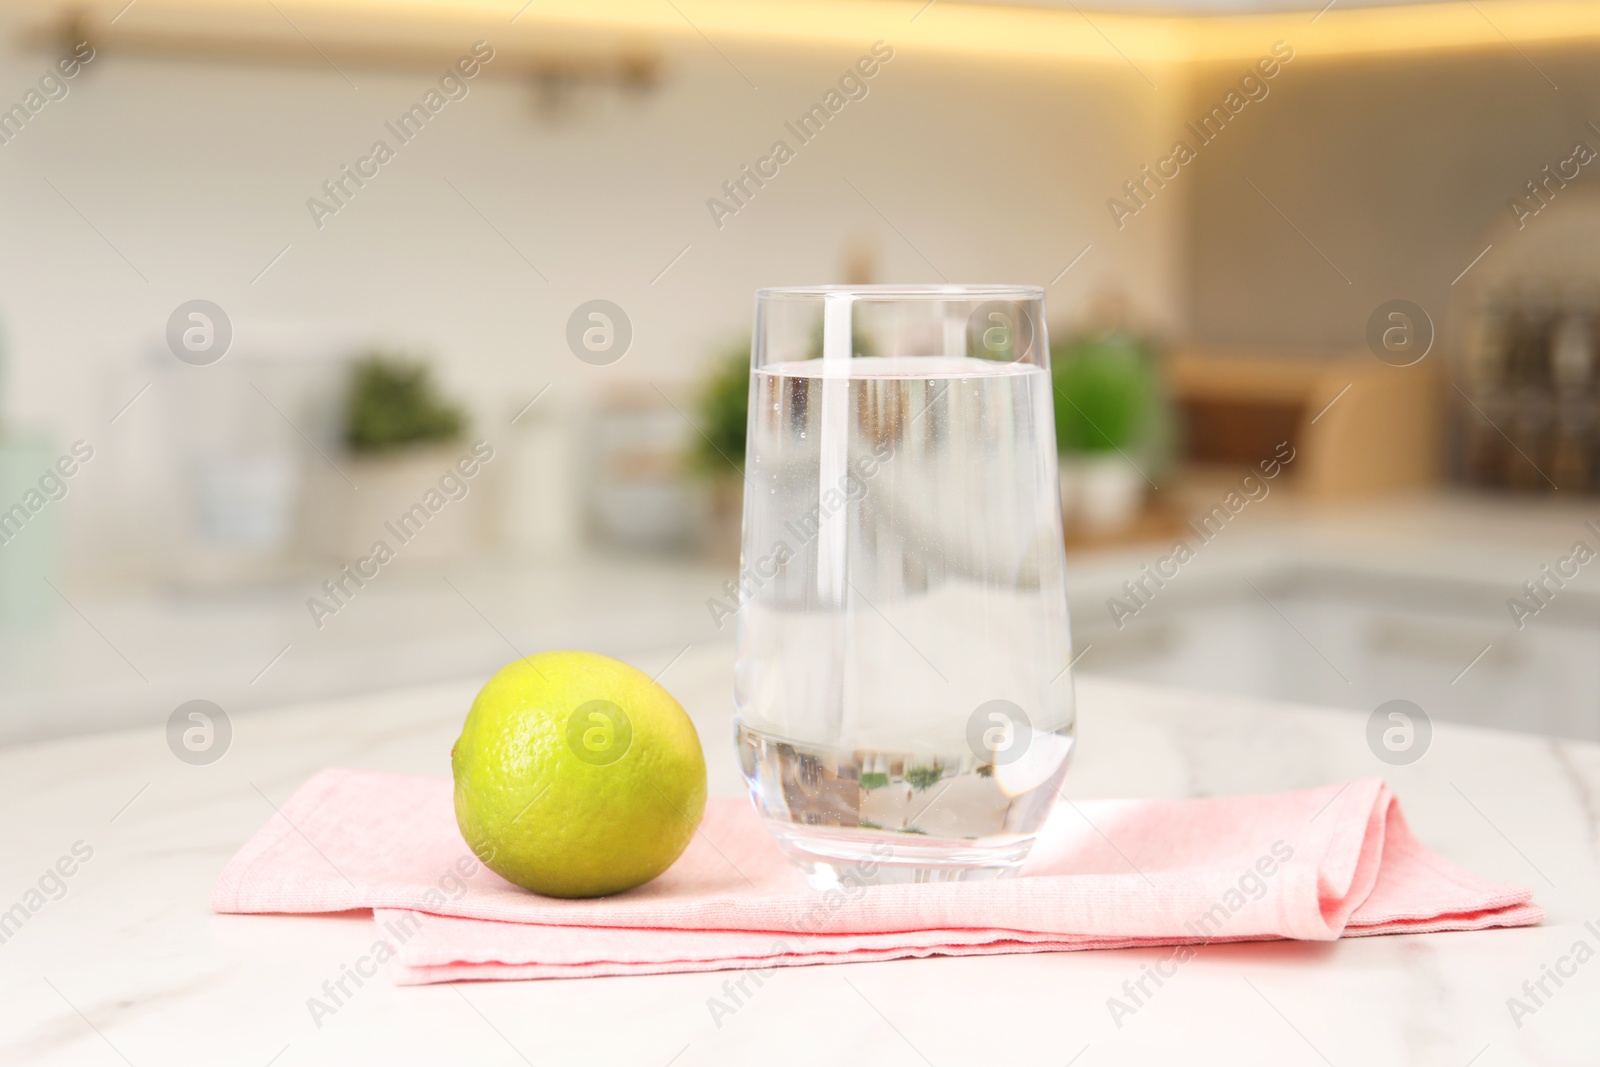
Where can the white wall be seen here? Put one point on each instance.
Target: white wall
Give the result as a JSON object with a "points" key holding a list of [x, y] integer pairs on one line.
{"points": [[198, 173], [1398, 169]]}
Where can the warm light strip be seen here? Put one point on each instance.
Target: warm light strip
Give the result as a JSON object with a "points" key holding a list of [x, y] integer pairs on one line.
{"points": [[951, 27], [1354, 31]]}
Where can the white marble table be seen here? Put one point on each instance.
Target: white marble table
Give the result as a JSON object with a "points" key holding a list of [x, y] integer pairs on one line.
{"points": [[130, 966]]}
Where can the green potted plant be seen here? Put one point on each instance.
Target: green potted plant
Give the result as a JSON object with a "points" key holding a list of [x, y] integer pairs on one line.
{"points": [[1105, 409], [396, 481], [394, 404], [722, 413]]}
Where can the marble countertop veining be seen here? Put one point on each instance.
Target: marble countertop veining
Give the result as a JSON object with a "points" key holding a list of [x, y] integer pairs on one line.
{"points": [[125, 963]]}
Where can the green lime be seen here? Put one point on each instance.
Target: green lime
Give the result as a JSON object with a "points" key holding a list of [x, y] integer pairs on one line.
{"points": [[577, 776]]}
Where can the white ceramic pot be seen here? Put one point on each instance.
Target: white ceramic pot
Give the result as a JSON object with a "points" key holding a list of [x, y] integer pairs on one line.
{"points": [[403, 499], [1100, 493]]}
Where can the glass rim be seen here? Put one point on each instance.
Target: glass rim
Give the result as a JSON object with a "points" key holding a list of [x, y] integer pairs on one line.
{"points": [[945, 291]]}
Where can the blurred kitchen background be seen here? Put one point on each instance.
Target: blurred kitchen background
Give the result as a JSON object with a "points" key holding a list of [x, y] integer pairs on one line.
{"points": [[1373, 274]]}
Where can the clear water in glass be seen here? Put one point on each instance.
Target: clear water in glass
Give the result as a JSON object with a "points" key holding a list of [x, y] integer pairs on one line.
{"points": [[904, 707]]}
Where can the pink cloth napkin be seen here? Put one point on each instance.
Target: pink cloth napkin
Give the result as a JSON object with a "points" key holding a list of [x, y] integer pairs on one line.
{"points": [[1314, 865]]}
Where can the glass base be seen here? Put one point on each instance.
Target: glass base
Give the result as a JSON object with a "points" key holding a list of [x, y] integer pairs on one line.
{"points": [[844, 859]]}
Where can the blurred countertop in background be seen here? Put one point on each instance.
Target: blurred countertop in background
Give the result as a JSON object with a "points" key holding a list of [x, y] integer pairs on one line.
{"points": [[1353, 606]]}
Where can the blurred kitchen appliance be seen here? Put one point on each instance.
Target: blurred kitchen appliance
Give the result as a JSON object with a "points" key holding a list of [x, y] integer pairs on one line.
{"points": [[30, 538], [640, 494], [242, 435]]}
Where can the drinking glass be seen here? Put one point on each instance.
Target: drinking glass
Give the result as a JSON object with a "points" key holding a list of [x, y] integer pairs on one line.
{"points": [[904, 705]]}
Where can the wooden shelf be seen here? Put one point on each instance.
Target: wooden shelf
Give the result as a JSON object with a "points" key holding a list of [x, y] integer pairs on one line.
{"points": [[345, 36], [1358, 426]]}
